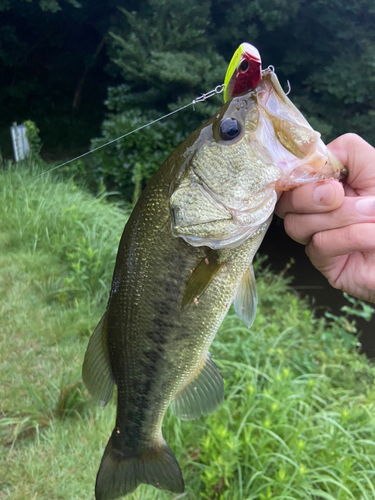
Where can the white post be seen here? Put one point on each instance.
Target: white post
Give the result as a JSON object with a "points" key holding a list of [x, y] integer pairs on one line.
{"points": [[21, 146]]}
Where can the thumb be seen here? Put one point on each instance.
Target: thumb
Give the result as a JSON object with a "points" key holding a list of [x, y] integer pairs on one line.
{"points": [[358, 156]]}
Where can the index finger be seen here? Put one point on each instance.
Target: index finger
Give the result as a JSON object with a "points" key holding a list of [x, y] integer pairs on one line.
{"points": [[311, 198]]}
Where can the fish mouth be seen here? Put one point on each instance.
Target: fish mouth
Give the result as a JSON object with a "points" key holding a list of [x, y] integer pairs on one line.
{"points": [[318, 167], [302, 175], [299, 176]]}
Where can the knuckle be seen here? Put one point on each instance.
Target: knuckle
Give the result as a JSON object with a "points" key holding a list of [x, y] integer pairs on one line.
{"points": [[294, 227], [290, 225], [335, 282], [284, 206], [319, 242], [309, 251], [313, 254], [280, 209]]}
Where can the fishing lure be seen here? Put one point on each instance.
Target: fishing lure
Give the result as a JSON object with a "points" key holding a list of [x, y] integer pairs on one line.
{"points": [[244, 71]]}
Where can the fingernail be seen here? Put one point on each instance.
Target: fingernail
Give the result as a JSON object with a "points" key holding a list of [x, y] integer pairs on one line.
{"points": [[324, 194], [366, 206]]}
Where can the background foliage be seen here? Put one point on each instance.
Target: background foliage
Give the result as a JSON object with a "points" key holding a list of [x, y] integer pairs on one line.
{"points": [[57, 60]]}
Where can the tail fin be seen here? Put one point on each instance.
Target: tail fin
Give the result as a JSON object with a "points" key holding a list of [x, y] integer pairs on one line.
{"points": [[120, 473]]}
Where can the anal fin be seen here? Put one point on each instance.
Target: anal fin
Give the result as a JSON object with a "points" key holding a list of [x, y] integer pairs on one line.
{"points": [[96, 369], [203, 395], [245, 303]]}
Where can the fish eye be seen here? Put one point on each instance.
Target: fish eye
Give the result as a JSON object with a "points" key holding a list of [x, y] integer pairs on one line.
{"points": [[244, 66], [230, 128]]}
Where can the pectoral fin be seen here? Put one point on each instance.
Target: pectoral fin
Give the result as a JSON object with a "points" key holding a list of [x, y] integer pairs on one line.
{"points": [[200, 278], [245, 303], [96, 370], [203, 395]]}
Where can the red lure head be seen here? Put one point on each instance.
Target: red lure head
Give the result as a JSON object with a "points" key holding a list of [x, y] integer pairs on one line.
{"points": [[244, 71]]}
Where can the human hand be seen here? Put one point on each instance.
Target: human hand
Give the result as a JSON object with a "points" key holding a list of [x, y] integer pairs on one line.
{"points": [[337, 222]]}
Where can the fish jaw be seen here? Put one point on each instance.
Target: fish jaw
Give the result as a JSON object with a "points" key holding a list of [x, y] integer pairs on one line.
{"points": [[321, 164], [296, 148]]}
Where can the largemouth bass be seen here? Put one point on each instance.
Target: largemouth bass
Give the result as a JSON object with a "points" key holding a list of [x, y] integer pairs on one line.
{"points": [[185, 255]]}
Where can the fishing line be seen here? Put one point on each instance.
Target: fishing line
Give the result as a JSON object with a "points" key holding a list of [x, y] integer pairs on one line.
{"points": [[217, 90]]}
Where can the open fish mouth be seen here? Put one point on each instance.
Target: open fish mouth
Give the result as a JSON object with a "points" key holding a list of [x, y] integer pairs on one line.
{"points": [[316, 168]]}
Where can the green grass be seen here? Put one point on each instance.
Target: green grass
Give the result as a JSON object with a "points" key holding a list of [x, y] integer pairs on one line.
{"points": [[298, 420]]}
